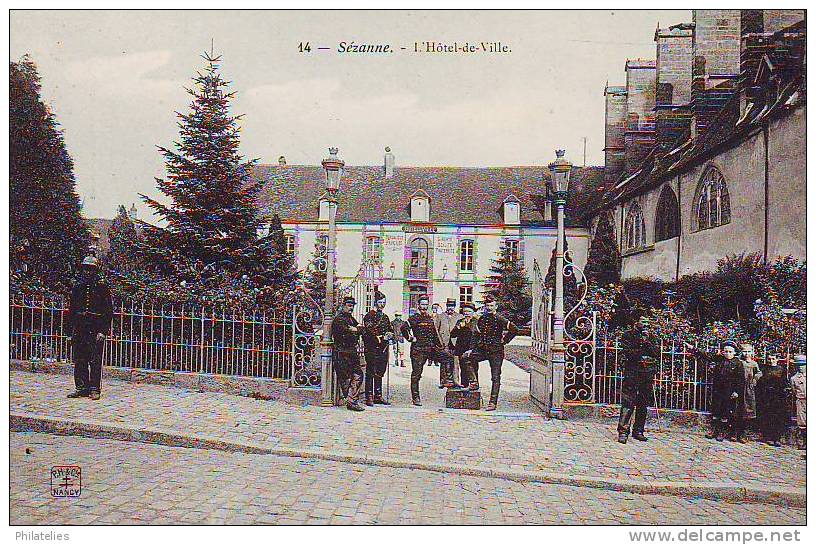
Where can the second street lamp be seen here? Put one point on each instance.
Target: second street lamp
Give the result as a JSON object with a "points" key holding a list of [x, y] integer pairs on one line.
{"points": [[333, 167], [560, 171]]}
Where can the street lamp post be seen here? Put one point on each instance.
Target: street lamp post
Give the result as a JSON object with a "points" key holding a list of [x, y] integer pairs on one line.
{"points": [[560, 170], [333, 166]]}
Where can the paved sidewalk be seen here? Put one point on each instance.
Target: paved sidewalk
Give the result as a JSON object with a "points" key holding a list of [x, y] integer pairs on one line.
{"points": [[135, 483], [448, 438]]}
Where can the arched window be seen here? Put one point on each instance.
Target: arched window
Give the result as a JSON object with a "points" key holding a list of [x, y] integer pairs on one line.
{"points": [[418, 265], [712, 206], [667, 218], [634, 232]]}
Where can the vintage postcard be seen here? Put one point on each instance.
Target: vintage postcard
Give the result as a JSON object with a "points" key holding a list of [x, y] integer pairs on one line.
{"points": [[417, 268]]}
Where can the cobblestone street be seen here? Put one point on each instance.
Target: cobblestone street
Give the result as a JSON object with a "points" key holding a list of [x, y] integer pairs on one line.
{"points": [[451, 438], [135, 483]]}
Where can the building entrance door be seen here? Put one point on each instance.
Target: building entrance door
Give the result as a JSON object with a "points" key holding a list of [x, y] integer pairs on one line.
{"points": [[415, 291]]}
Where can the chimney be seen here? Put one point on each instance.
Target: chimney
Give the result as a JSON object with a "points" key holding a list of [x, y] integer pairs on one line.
{"points": [[775, 20], [389, 163], [133, 213], [639, 136], [716, 63], [615, 124], [282, 161], [673, 88]]}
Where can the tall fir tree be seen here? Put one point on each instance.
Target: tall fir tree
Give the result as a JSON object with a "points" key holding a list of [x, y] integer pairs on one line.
{"points": [[48, 236], [604, 260], [212, 219], [509, 285]]}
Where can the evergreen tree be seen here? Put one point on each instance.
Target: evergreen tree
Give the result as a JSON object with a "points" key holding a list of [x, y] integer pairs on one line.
{"points": [[48, 237], [123, 241], [211, 221], [509, 285], [279, 273], [604, 260], [315, 281], [570, 280]]}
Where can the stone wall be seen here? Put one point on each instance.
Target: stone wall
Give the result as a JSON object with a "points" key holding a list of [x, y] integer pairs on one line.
{"points": [[744, 170], [673, 90], [787, 186], [615, 125], [640, 115]]}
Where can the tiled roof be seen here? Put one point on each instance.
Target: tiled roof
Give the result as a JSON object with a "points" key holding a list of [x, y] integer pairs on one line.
{"points": [[458, 195], [784, 54]]}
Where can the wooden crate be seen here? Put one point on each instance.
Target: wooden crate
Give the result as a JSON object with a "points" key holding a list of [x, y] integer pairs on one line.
{"points": [[464, 399]]}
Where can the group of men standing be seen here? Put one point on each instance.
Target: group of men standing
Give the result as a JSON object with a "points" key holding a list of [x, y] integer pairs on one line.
{"points": [[456, 341]]}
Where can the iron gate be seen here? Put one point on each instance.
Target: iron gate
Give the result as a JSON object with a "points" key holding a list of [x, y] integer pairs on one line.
{"points": [[277, 344]]}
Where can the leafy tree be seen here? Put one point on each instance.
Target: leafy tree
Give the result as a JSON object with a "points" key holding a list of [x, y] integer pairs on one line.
{"points": [[508, 284], [211, 220], [48, 237], [604, 260]]}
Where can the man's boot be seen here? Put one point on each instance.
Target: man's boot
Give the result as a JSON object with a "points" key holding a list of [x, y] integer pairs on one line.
{"points": [[415, 393], [78, 393], [494, 397], [354, 406], [94, 395], [639, 436], [368, 401], [622, 438]]}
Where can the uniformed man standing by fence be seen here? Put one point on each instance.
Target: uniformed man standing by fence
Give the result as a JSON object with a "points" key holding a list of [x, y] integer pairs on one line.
{"points": [[90, 312], [496, 331], [641, 356], [377, 337], [345, 332], [425, 345]]}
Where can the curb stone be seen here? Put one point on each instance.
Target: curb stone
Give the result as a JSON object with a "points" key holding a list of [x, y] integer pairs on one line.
{"points": [[733, 493]]}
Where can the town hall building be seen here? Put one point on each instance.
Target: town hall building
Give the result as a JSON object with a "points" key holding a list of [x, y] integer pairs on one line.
{"points": [[432, 231]]}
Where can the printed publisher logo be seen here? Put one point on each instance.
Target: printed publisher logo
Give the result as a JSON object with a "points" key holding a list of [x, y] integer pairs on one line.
{"points": [[66, 481]]}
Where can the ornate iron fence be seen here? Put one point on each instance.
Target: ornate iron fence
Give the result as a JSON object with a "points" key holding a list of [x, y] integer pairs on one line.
{"points": [[173, 337], [681, 383]]}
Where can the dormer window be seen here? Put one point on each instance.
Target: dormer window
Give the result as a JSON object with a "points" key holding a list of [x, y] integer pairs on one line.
{"points": [[510, 211], [326, 207], [420, 207]]}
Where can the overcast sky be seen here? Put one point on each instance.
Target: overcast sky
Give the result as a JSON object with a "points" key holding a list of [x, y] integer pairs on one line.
{"points": [[114, 80]]}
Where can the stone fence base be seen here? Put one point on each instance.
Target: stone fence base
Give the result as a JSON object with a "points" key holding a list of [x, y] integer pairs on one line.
{"points": [[693, 421], [663, 418], [257, 388]]}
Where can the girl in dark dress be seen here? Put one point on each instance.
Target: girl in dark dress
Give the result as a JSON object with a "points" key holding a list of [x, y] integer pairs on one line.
{"points": [[773, 399]]}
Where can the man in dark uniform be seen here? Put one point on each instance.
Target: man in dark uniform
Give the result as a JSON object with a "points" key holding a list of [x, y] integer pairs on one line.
{"points": [[465, 340], [425, 345], [495, 332], [377, 337], [345, 333], [89, 317], [640, 366]]}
